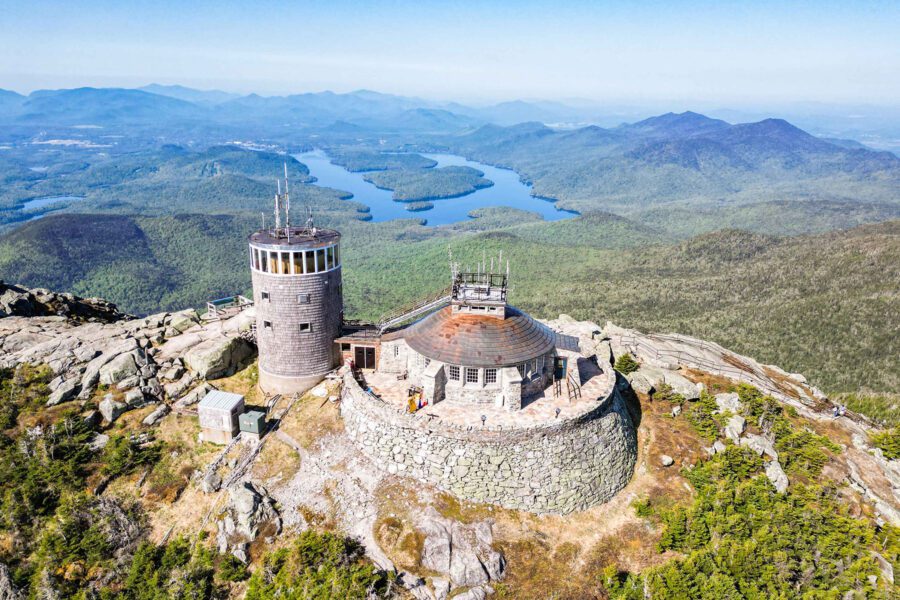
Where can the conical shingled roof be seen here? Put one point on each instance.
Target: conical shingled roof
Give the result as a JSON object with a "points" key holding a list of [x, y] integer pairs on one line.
{"points": [[479, 341]]}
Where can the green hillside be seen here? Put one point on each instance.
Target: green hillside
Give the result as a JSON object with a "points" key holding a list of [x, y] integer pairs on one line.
{"points": [[813, 304]]}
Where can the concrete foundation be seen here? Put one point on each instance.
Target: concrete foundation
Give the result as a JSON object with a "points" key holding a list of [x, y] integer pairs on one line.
{"points": [[278, 384]]}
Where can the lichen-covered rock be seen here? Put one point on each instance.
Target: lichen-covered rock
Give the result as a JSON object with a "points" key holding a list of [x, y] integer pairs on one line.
{"points": [[156, 416], [17, 300], [760, 445], [183, 320], [118, 368], [251, 506], [217, 357], [110, 409], [67, 390]]}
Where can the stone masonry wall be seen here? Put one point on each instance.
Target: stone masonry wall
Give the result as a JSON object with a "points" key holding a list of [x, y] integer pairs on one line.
{"points": [[558, 468]]}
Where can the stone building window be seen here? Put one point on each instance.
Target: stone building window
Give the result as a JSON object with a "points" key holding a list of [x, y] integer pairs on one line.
{"points": [[345, 347], [310, 262], [453, 373], [396, 351], [267, 325], [427, 361], [297, 259], [264, 295], [471, 375], [264, 261], [303, 298], [490, 376], [305, 327]]}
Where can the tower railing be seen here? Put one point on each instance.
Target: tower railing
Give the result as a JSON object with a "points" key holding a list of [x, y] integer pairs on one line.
{"points": [[411, 311]]}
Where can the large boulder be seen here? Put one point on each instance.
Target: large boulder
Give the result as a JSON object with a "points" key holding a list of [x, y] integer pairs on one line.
{"points": [[648, 379], [184, 320], [110, 409], [67, 390], [735, 427], [464, 552], [760, 445], [251, 507], [681, 385], [156, 416], [119, 368], [729, 403], [777, 476], [217, 357]]}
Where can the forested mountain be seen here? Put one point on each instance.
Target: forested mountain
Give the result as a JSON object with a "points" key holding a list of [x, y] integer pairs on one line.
{"points": [[685, 160]]}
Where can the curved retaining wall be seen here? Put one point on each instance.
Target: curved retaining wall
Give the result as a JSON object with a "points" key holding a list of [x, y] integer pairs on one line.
{"points": [[558, 468]]}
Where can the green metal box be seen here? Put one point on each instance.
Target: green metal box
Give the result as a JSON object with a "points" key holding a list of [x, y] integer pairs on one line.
{"points": [[253, 421]]}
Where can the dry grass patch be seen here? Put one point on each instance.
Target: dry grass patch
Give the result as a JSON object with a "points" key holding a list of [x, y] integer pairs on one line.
{"points": [[715, 384], [466, 512], [311, 419], [276, 461], [244, 382], [545, 570], [400, 541]]}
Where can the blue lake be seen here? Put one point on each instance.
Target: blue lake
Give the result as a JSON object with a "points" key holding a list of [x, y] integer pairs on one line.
{"points": [[47, 201], [507, 190]]}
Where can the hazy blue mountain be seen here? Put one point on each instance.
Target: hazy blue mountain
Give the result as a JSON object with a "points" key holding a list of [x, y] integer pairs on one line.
{"points": [[92, 106], [675, 125], [203, 97], [10, 104]]}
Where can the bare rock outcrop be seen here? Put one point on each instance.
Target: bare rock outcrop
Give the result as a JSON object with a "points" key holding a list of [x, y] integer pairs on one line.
{"points": [[250, 511], [8, 591], [139, 360], [17, 300], [462, 552]]}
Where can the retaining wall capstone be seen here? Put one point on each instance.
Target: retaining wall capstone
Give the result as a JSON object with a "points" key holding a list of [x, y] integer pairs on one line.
{"points": [[561, 467]]}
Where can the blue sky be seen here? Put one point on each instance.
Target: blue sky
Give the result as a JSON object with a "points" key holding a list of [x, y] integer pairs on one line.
{"points": [[724, 52]]}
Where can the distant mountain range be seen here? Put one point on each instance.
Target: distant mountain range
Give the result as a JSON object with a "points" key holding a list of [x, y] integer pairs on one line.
{"points": [[684, 160], [365, 110]]}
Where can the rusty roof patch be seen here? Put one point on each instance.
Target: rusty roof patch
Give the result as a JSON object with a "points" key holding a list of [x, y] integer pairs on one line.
{"points": [[480, 341]]}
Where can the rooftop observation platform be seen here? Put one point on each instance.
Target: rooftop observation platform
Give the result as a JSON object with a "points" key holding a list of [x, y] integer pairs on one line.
{"points": [[538, 409], [306, 237]]}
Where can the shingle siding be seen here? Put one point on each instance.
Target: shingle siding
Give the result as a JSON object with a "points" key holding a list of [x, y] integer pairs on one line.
{"points": [[284, 349]]}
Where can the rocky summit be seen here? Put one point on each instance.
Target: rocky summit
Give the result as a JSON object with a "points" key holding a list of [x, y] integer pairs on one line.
{"points": [[127, 390]]}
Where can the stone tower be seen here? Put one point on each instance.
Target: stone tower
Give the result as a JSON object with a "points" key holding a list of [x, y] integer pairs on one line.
{"points": [[296, 273]]}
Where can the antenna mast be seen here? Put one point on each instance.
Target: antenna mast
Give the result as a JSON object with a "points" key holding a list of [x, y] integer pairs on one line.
{"points": [[278, 207], [287, 200]]}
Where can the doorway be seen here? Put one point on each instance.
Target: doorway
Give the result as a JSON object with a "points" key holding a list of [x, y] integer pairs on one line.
{"points": [[559, 367], [364, 357]]}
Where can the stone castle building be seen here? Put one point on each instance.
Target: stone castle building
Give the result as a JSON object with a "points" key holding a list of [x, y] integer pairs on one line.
{"points": [[462, 391]]}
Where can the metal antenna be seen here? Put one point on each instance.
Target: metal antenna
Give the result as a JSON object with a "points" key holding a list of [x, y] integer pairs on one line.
{"points": [[277, 207], [287, 200]]}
